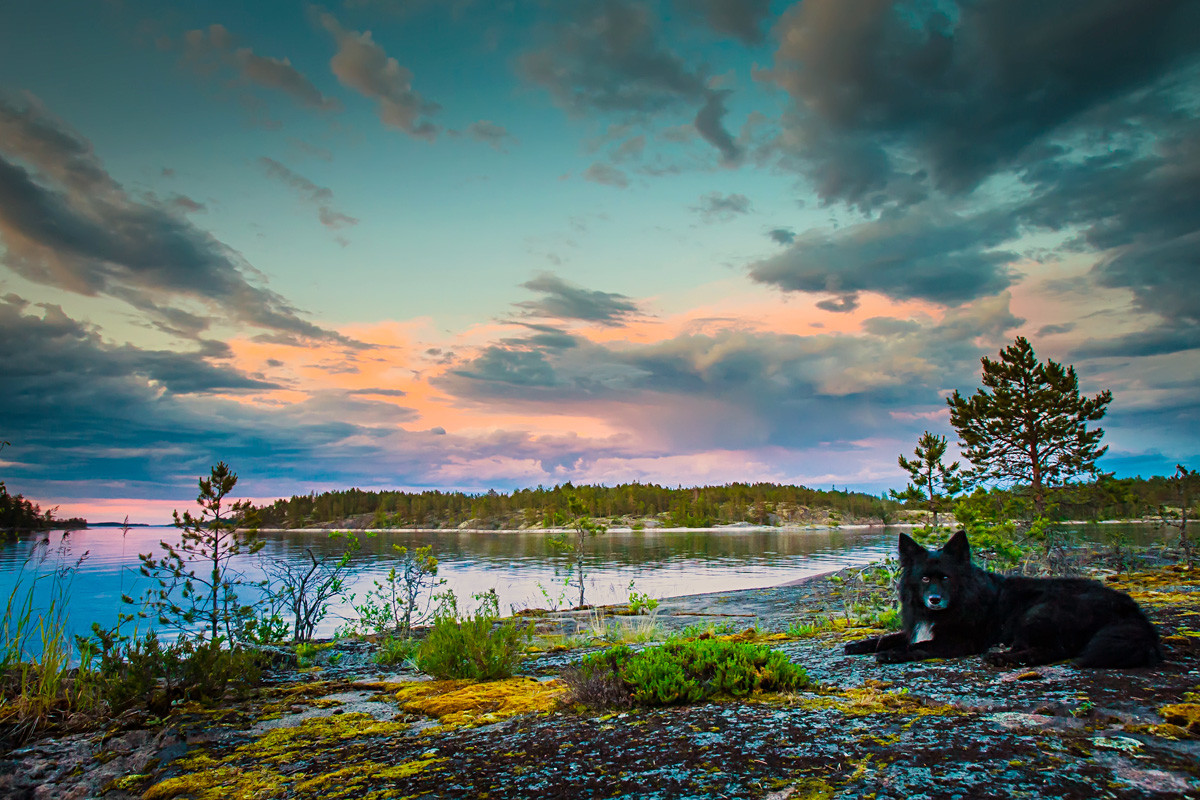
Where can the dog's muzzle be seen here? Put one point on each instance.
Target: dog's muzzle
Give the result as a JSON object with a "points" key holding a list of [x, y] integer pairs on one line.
{"points": [[935, 602]]}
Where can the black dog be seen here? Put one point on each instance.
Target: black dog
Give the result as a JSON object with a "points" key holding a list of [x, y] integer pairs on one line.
{"points": [[950, 608]]}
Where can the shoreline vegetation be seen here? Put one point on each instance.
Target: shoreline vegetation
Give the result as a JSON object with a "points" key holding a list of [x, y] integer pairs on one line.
{"points": [[639, 506]]}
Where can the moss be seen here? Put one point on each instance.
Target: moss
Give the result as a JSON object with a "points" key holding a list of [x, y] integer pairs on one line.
{"points": [[466, 703]]}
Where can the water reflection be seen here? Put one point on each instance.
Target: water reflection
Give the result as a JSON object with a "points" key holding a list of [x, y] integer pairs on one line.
{"points": [[516, 565]]}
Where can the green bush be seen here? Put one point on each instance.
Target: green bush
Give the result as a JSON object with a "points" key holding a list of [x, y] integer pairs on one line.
{"points": [[393, 651], [478, 646], [684, 672]]}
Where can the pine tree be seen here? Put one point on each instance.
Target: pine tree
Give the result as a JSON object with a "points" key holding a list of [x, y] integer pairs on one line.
{"points": [[934, 483], [1030, 429], [196, 581]]}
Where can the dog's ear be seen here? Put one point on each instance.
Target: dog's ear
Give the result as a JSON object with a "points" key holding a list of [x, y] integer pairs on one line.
{"points": [[910, 551], [958, 548]]}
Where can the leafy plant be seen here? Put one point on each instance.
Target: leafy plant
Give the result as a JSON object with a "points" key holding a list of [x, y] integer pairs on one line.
{"points": [[405, 596], [304, 591], [686, 671], [640, 602], [1183, 486], [584, 528], [478, 646], [394, 651]]}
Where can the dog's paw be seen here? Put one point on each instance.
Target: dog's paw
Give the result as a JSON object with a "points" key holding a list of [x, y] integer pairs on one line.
{"points": [[859, 648], [892, 657], [1001, 659]]}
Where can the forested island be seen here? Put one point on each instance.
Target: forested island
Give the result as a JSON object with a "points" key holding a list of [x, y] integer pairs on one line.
{"points": [[1106, 498]]}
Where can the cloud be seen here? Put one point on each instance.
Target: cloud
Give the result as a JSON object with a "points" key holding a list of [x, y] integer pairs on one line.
{"points": [[741, 19], [362, 65], [489, 133], [610, 59], [922, 254], [743, 389], [320, 196], [715, 206], [563, 300], [66, 223], [206, 50], [1139, 210], [782, 235], [606, 174], [951, 93]]}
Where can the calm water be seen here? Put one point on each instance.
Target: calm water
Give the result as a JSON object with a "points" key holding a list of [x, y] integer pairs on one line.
{"points": [[661, 564]]}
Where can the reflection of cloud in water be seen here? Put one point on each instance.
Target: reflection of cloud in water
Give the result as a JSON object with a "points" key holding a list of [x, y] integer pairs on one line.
{"points": [[661, 563]]}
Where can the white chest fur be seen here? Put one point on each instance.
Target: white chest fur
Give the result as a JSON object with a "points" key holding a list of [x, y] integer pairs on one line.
{"points": [[923, 632]]}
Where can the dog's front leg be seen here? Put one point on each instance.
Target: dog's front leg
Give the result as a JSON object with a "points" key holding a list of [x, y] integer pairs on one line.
{"points": [[927, 650], [876, 644]]}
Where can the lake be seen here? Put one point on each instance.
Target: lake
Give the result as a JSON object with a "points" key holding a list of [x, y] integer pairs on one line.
{"points": [[524, 570]]}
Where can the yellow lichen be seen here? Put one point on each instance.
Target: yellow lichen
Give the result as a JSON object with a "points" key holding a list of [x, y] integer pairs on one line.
{"points": [[206, 778], [279, 744], [219, 783], [466, 703], [1185, 715], [351, 781], [872, 698]]}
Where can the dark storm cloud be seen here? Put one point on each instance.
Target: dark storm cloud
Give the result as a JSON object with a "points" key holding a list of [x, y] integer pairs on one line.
{"points": [[362, 65], [965, 89], [80, 409], [207, 50], [943, 257], [505, 367], [68, 224], [718, 207], [563, 300], [1141, 213], [610, 58], [741, 19], [1156, 341], [740, 389], [320, 196]]}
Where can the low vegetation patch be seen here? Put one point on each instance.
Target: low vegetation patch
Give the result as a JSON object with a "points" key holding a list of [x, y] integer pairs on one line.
{"points": [[476, 647], [681, 672]]}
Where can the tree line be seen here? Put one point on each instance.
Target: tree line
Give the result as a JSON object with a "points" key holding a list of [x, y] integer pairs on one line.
{"points": [[695, 506]]}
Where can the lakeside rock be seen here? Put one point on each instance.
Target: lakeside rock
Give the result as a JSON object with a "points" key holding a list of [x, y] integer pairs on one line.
{"points": [[932, 729]]}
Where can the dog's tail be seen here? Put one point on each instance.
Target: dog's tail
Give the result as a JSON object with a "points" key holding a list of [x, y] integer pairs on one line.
{"points": [[1121, 645]]}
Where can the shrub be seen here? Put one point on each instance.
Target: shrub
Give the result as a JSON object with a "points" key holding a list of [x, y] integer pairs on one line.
{"points": [[682, 672], [395, 603], [478, 646], [394, 651]]}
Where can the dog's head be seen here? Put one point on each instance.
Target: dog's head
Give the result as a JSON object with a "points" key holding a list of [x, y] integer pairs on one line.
{"points": [[933, 576]]}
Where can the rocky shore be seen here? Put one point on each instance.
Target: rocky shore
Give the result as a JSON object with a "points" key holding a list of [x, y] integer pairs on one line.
{"points": [[932, 729]]}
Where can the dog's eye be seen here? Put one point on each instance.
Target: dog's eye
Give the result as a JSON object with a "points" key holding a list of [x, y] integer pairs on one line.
{"points": [[925, 579]]}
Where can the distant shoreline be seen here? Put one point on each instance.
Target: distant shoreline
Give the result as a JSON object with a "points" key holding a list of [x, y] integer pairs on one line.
{"points": [[735, 527]]}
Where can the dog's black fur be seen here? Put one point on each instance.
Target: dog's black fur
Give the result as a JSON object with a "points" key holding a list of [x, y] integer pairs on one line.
{"points": [[951, 608]]}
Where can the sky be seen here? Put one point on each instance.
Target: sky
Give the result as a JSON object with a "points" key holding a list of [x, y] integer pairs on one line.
{"points": [[469, 245]]}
